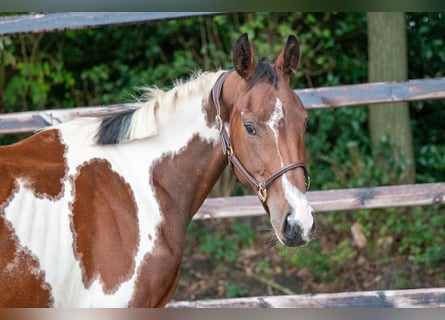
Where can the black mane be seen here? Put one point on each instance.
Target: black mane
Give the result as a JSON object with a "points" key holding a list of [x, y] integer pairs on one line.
{"points": [[115, 128], [264, 72]]}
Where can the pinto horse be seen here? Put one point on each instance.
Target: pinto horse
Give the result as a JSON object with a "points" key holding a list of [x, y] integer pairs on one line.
{"points": [[94, 211]]}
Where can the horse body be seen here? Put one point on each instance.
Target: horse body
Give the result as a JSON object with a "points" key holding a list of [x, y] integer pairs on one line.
{"points": [[85, 251], [93, 212]]}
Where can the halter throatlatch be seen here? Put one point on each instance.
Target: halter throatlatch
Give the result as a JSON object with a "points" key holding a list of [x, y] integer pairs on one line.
{"points": [[259, 187]]}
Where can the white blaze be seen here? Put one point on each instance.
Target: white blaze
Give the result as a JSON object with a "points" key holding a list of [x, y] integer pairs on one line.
{"points": [[273, 123], [301, 209]]}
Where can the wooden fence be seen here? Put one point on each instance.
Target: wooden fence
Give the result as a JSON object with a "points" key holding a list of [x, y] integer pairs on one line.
{"points": [[322, 201]]}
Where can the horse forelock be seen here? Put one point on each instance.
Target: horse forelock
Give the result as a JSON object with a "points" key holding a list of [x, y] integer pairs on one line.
{"points": [[264, 71]]}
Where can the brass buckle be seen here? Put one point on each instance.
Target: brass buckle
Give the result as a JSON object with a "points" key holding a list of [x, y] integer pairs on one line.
{"points": [[307, 182], [229, 151], [219, 123], [262, 193]]}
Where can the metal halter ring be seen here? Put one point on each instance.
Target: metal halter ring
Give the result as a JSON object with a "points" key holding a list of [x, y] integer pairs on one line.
{"points": [[262, 193], [307, 182]]}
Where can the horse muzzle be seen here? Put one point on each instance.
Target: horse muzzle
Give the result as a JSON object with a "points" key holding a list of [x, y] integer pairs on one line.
{"points": [[295, 232]]}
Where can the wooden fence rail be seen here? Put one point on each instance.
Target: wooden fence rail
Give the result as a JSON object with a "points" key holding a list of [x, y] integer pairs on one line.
{"points": [[373, 93], [47, 22], [339, 96], [410, 298], [333, 200]]}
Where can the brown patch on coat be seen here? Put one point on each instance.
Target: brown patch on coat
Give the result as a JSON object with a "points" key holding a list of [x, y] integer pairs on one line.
{"points": [[39, 161], [22, 282], [105, 225], [181, 182], [157, 276]]}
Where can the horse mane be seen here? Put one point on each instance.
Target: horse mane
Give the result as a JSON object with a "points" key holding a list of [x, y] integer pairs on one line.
{"points": [[141, 123]]}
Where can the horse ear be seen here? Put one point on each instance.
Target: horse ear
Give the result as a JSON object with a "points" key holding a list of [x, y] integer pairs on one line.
{"points": [[243, 57], [287, 61]]}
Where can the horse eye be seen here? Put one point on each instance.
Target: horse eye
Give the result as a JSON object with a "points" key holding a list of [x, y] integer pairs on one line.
{"points": [[250, 129]]}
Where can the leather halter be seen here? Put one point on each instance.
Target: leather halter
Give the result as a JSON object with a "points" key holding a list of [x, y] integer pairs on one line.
{"points": [[259, 187]]}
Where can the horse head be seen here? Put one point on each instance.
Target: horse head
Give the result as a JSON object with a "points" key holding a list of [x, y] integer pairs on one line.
{"points": [[265, 141]]}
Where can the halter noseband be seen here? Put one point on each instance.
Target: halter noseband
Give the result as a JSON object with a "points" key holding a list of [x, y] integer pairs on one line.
{"points": [[260, 187]]}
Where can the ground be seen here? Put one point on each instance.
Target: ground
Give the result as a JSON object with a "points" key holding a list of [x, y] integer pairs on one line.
{"points": [[267, 269]]}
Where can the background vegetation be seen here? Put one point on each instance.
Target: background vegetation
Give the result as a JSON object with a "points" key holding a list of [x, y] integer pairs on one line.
{"points": [[107, 65]]}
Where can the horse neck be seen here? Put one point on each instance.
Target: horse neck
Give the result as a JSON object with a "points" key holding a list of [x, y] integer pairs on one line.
{"points": [[182, 182], [183, 179]]}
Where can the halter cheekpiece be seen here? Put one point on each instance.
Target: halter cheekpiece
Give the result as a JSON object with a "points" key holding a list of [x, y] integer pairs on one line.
{"points": [[259, 187]]}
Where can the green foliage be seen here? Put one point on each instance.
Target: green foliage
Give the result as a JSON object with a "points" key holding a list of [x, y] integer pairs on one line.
{"points": [[417, 234], [311, 257], [223, 245], [426, 51], [28, 75], [233, 291]]}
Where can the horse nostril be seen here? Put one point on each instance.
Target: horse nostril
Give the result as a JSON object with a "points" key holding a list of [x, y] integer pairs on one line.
{"points": [[286, 226], [291, 227], [293, 232]]}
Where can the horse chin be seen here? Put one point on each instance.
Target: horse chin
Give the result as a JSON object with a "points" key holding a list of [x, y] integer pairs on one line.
{"points": [[293, 242]]}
